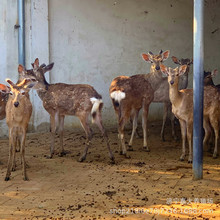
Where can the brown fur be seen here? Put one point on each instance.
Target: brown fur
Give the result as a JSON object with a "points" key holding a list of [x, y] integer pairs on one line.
{"points": [[18, 113], [139, 92], [68, 99], [182, 107]]}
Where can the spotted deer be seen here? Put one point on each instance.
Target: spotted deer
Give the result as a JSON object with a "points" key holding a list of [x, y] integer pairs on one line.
{"points": [[182, 107], [18, 113], [62, 99], [130, 94]]}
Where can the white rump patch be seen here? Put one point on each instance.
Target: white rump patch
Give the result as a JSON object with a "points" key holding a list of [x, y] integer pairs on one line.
{"points": [[118, 95], [96, 103]]}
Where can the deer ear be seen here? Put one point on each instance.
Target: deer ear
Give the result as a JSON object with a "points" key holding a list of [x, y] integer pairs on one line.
{"points": [[214, 72], [36, 63], [182, 69], [175, 60], [146, 57], [164, 69], [166, 54], [4, 88], [20, 68], [48, 67]]}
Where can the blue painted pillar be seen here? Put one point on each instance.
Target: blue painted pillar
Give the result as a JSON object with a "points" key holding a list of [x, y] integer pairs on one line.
{"points": [[21, 32], [198, 57]]}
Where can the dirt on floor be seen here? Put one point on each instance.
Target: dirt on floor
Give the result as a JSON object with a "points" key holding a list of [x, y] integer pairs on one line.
{"points": [[149, 185]]}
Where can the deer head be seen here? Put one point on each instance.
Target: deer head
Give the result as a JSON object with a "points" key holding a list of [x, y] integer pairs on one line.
{"points": [[156, 60], [38, 73], [182, 61], [17, 91], [173, 74], [208, 77]]}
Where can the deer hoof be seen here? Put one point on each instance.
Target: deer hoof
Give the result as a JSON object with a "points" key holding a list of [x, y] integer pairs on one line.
{"points": [[26, 178], [7, 178], [81, 159], [145, 148], [214, 156], [130, 148], [127, 156]]}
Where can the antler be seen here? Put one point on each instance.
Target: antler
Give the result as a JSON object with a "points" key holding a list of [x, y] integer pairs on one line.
{"points": [[23, 83], [12, 85]]}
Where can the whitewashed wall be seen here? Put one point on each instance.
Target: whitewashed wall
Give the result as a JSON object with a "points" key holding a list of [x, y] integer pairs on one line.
{"points": [[93, 41]]}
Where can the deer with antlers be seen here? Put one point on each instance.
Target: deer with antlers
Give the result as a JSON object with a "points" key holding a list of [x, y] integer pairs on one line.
{"points": [[182, 107], [18, 113], [130, 94], [62, 99]]}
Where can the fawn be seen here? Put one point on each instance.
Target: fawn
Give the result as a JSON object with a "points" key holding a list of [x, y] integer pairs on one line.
{"points": [[182, 107], [18, 113]]}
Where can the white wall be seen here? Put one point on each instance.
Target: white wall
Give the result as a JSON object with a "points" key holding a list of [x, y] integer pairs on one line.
{"points": [[93, 41]]}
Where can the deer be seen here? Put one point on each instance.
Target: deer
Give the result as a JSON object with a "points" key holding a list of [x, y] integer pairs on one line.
{"points": [[208, 78], [18, 113], [3, 101], [182, 107], [129, 94], [60, 99]]}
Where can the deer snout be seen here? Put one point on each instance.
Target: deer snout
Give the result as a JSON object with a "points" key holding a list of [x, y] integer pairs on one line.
{"points": [[171, 82], [157, 67], [16, 104]]}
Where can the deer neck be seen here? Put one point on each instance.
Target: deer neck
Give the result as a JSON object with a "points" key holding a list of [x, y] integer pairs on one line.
{"points": [[155, 78], [174, 94], [42, 91]]}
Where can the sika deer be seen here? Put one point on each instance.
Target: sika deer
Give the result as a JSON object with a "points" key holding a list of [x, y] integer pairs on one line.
{"points": [[69, 99], [130, 94], [18, 113], [162, 94], [208, 78], [3, 101], [182, 107]]}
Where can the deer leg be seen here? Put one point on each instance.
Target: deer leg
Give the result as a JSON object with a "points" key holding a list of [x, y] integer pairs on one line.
{"points": [[85, 125], [173, 126], [135, 117], [61, 127], [208, 131], [13, 156], [11, 149], [52, 131], [165, 112], [183, 134], [98, 121], [189, 137], [215, 125], [122, 137], [144, 126], [22, 154]]}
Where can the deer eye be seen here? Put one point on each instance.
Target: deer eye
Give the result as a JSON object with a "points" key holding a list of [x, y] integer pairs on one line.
{"points": [[11, 93], [23, 93]]}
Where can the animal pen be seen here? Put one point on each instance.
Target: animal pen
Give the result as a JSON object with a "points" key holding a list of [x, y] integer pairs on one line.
{"points": [[121, 67]]}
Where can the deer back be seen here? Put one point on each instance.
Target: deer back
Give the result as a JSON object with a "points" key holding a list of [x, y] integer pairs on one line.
{"points": [[69, 99]]}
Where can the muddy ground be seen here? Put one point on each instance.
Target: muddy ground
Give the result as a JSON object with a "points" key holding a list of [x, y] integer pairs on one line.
{"points": [[154, 185]]}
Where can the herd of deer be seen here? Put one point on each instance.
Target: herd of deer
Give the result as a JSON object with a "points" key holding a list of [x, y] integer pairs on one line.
{"points": [[129, 94]]}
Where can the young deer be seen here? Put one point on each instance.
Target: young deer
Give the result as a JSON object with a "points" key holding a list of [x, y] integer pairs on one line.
{"points": [[18, 113], [182, 107], [62, 99], [162, 94], [130, 94]]}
